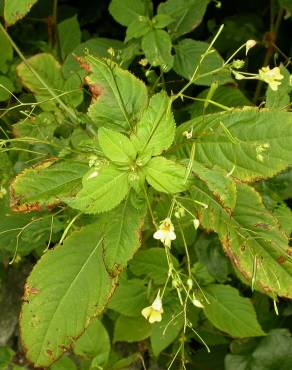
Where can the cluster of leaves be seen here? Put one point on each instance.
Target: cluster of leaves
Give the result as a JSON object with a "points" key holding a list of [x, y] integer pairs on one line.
{"points": [[103, 139]]}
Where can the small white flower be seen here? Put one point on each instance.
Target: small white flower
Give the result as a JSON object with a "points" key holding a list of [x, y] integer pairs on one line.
{"points": [[196, 302], [165, 232], [154, 312], [196, 223], [271, 76], [248, 45], [188, 134], [92, 175]]}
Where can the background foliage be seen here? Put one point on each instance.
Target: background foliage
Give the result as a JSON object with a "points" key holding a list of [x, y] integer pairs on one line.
{"points": [[117, 115]]}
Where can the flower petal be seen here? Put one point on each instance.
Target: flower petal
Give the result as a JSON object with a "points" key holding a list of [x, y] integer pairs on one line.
{"points": [[159, 234], [146, 312], [155, 317], [171, 235]]}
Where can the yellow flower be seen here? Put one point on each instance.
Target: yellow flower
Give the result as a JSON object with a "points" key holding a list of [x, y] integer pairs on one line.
{"points": [[165, 232], [271, 77], [154, 312]]}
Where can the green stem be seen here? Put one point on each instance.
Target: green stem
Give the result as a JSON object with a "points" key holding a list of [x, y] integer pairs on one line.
{"points": [[149, 207], [224, 107], [203, 56], [37, 76], [56, 42]]}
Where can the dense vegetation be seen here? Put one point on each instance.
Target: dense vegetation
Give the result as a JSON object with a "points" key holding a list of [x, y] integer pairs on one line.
{"points": [[145, 184]]}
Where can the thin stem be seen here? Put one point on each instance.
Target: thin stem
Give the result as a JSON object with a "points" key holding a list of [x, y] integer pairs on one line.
{"points": [[203, 56], [69, 227], [149, 207], [37, 76], [224, 107], [186, 250], [233, 55]]}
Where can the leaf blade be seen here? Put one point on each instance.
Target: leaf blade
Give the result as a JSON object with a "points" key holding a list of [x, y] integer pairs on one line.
{"points": [[40, 320]]}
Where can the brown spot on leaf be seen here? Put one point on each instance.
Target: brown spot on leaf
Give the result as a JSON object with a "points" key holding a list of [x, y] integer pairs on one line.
{"points": [[49, 352], [16, 202], [281, 259], [83, 64], [96, 90], [25, 208], [242, 248], [235, 260], [262, 226], [29, 291]]}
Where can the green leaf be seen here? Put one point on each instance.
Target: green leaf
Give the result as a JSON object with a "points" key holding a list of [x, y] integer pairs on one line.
{"points": [[6, 53], [98, 46], [209, 252], [40, 127], [157, 45], [272, 352], [97, 193], [49, 70], [119, 97], [230, 312], [249, 144], [6, 88], [229, 96], [124, 11], [122, 234], [131, 329], [218, 182], [116, 147], [64, 363], [161, 20], [280, 99], [22, 233], [251, 238], [165, 332], [14, 10], [153, 264], [74, 91], [6, 355], [69, 34], [236, 362], [165, 175], [138, 28], [155, 131], [278, 208], [187, 60], [129, 298], [187, 14], [46, 184], [94, 342], [203, 277], [67, 288], [125, 362]]}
